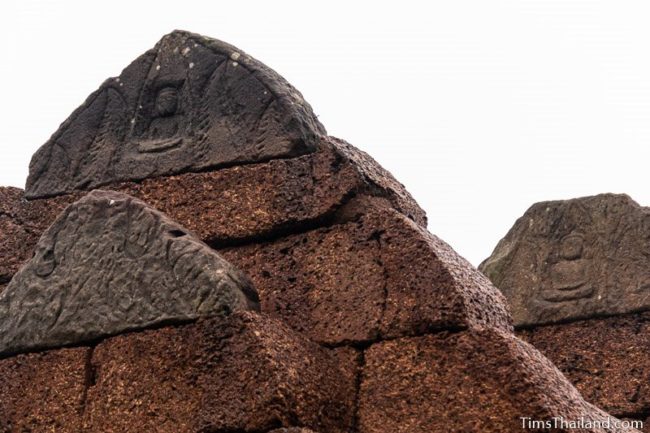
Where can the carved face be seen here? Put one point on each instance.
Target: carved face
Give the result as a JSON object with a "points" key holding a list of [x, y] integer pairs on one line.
{"points": [[166, 102], [160, 123], [567, 277]]}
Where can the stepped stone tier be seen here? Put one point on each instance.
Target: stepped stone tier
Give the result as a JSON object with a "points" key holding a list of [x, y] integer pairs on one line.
{"points": [[577, 275], [367, 322]]}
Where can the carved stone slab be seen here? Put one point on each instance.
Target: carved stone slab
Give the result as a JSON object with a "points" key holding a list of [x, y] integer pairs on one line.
{"points": [[110, 264], [228, 206], [191, 103], [574, 259]]}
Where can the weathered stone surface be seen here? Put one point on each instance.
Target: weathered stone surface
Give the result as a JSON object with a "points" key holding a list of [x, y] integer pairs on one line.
{"points": [[189, 104], [109, 264], [564, 261], [43, 392], [21, 224], [374, 274], [228, 206], [242, 373], [335, 244], [292, 430], [471, 381], [375, 180], [14, 237], [575, 259], [251, 202], [606, 359]]}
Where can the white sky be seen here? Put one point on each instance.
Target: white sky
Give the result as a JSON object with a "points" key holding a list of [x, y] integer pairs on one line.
{"points": [[480, 108]]}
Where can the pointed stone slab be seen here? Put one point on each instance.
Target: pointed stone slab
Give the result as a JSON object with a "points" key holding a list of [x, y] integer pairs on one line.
{"points": [[110, 264], [191, 103], [243, 373], [478, 380], [380, 275], [572, 259]]}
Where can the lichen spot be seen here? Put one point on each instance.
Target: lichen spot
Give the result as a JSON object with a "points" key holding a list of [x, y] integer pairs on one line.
{"points": [[235, 63], [191, 65], [185, 51], [235, 55], [157, 67]]}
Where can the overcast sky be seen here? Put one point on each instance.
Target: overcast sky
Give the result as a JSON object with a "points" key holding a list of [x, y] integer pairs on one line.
{"points": [[480, 108]]}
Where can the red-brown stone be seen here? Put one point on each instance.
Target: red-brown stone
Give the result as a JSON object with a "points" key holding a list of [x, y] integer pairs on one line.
{"points": [[605, 358], [375, 274], [243, 373], [470, 381], [292, 430], [412, 337], [43, 392], [228, 206]]}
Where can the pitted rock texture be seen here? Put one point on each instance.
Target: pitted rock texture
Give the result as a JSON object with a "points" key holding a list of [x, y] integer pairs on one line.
{"points": [[375, 180], [412, 337], [579, 258], [472, 381], [605, 358], [21, 225], [292, 430], [228, 206], [109, 264], [243, 372], [14, 237], [189, 104], [374, 274], [43, 392], [240, 373]]}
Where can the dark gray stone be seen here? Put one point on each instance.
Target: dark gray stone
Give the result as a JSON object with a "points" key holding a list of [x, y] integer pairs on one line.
{"points": [[110, 264], [189, 104], [575, 259]]}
